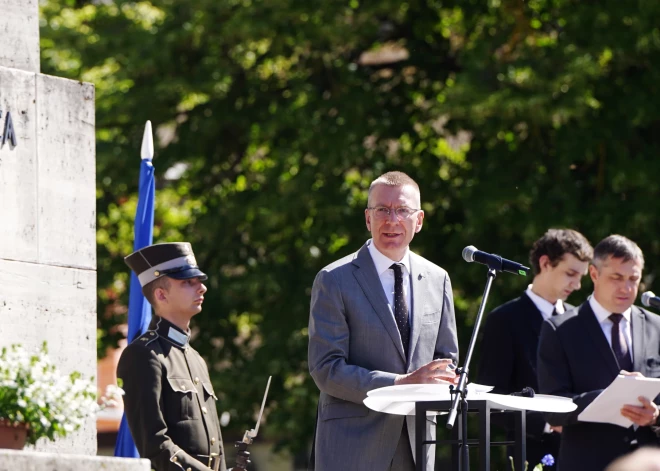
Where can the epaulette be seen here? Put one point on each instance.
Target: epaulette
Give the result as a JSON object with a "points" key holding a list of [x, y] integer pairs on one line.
{"points": [[148, 337]]}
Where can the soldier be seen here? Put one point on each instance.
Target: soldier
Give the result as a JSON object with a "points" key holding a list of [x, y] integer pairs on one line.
{"points": [[169, 402]]}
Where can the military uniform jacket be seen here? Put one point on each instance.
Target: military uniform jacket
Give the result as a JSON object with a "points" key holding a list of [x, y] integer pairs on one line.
{"points": [[169, 403]]}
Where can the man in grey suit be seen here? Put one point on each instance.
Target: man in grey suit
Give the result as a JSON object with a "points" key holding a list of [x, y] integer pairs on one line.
{"points": [[378, 317]]}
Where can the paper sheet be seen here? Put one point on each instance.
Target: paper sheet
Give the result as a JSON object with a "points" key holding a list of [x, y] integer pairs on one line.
{"points": [[606, 408]]}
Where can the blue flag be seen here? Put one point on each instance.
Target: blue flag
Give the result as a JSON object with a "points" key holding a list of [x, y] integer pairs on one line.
{"points": [[139, 309]]}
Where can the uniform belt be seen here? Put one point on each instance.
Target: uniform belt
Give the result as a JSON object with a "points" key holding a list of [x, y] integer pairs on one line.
{"points": [[209, 460]]}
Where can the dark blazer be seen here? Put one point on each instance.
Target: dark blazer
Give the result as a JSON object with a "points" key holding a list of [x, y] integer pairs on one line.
{"points": [[575, 360], [508, 362], [169, 403]]}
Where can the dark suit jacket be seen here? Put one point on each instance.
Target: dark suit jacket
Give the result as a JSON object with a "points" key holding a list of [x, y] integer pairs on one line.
{"points": [[508, 362], [575, 360]]}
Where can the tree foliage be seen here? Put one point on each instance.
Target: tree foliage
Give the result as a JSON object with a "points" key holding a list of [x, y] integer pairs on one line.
{"points": [[273, 117]]}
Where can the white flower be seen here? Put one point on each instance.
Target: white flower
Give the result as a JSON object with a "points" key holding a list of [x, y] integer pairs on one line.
{"points": [[113, 391], [34, 392]]}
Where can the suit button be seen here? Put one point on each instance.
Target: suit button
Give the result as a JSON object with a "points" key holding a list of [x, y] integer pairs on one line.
{"points": [[204, 410], [189, 469], [196, 380], [174, 459], [213, 441], [183, 386], [626, 439]]}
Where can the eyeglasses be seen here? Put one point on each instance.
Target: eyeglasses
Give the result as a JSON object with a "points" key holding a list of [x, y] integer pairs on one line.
{"points": [[383, 212]]}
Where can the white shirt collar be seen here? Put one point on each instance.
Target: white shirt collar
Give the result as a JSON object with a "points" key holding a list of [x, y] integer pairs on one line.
{"points": [[543, 305], [603, 314], [382, 262]]}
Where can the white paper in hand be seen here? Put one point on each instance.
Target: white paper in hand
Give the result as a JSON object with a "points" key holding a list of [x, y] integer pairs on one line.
{"points": [[606, 408]]}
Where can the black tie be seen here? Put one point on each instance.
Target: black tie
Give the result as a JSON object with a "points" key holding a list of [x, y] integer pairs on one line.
{"points": [[619, 345], [401, 307], [554, 312]]}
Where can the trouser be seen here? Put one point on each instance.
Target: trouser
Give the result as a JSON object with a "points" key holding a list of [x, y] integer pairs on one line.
{"points": [[403, 457]]}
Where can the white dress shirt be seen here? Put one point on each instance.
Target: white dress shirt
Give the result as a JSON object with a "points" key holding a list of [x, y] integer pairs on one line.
{"points": [[386, 276], [545, 306], [602, 315]]}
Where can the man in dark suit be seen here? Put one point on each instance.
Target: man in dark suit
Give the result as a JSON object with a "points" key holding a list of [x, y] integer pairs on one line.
{"points": [[378, 317], [582, 352], [170, 404], [510, 340]]}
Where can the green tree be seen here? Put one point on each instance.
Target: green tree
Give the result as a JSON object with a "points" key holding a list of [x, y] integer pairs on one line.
{"points": [[271, 121]]}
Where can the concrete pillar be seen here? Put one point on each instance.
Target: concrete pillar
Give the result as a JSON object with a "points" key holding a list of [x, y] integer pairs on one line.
{"points": [[47, 209]]}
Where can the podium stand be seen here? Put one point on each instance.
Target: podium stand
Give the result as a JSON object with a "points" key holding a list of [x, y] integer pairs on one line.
{"points": [[422, 400], [483, 407]]}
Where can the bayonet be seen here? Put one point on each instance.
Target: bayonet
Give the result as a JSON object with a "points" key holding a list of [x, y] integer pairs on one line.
{"points": [[242, 455]]}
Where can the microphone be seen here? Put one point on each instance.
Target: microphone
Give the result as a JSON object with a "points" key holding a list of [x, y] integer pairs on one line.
{"points": [[649, 299], [526, 392], [494, 262]]}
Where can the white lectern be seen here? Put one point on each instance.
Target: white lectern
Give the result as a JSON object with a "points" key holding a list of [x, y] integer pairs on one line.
{"points": [[422, 400]]}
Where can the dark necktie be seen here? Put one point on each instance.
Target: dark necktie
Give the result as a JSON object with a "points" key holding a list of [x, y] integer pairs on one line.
{"points": [[619, 345], [554, 312], [401, 307]]}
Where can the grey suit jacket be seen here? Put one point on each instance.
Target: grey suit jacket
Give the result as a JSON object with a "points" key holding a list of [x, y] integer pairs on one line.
{"points": [[355, 346], [575, 360]]}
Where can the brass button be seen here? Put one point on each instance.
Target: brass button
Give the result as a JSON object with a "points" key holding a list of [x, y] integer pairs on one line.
{"points": [[183, 386], [174, 459], [189, 469], [152, 334], [204, 410], [212, 440], [196, 380]]}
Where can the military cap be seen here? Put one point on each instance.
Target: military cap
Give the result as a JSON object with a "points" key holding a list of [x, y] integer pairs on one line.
{"points": [[173, 259]]}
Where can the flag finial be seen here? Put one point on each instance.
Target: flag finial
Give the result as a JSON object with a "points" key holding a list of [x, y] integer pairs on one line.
{"points": [[147, 151]]}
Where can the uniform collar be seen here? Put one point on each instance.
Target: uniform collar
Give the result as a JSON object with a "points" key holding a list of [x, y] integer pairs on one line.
{"points": [[170, 332]]}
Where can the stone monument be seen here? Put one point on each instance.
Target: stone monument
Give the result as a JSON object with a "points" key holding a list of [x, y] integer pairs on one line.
{"points": [[48, 214]]}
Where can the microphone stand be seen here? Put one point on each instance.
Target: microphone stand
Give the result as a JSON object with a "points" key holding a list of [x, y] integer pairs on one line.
{"points": [[459, 393]]}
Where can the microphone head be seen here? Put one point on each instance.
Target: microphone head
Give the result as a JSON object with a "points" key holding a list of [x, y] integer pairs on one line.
{"points": [[468, 253], [526, 392], [646, 298]]}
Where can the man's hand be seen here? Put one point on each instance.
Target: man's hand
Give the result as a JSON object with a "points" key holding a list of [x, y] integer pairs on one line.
{"points": [[633, 373], [556, 428], [434, 372], [643, 415]]}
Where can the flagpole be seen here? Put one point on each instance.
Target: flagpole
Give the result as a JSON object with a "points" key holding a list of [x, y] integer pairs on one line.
{"points": [[139, 310]]}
